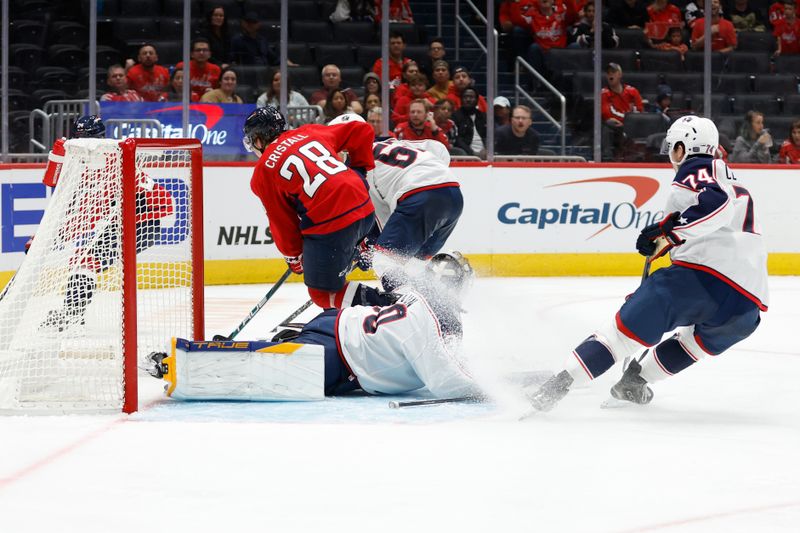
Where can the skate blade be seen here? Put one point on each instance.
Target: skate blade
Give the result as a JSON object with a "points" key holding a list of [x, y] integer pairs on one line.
{"points": [[529, 414]]}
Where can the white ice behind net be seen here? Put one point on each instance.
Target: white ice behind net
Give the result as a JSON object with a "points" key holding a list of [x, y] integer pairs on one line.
{"points": [[61, 331]]}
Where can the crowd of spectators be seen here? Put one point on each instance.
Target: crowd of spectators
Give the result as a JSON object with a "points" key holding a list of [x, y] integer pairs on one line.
{"points": [[533, 28], [435, 99]]}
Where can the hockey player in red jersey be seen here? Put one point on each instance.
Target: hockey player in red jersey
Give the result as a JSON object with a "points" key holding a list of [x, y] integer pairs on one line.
{"points": [[153, 202], [712, 294], [318, 208]]}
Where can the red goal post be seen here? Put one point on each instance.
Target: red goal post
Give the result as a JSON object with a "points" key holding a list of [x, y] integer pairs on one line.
{"points": [[114, 272]]}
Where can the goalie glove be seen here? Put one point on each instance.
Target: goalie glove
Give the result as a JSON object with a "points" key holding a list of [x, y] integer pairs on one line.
{"points": [[657, 239], [295, 263]]}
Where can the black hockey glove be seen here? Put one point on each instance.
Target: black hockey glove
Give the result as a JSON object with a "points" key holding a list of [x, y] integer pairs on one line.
{"points": [[648, 243], [364, 252]]}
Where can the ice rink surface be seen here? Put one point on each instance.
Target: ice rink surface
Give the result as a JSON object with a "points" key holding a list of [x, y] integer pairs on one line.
{"points": [[717, 450]]}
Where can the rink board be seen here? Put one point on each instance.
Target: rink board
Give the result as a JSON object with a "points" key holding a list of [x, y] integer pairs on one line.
{"points": [[518, 219]]}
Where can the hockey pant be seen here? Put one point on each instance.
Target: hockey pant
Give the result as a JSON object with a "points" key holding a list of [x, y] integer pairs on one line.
{"points": [[710, 316], [327, 259]]}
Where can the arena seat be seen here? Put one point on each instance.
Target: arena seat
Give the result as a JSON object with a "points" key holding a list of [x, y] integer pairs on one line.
{"points": [[354, 32], [694, 61], [731, 83], [661, 61], [749, 62], [754, 41], [311, 30], [776, 83], [769, 105], [338, 54]]}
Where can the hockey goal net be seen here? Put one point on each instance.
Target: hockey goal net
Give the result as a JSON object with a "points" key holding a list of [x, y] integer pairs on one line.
{"points": [[114, 272]]}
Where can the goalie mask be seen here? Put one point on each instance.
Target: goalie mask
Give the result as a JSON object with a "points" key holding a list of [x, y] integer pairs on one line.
{"points": [[451, 270], [265, 123], [88, 127]]}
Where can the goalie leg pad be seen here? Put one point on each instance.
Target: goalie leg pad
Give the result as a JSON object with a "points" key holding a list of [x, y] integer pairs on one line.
{"points": [[245, 371]]}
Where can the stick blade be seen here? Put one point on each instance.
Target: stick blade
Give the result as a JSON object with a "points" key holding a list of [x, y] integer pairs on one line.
{"points": [[218, 338]]}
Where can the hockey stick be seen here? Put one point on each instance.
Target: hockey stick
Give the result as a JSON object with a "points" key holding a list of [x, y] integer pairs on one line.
{"points": [[256, 309], [394, 404], [8, 286], [287, 322]]}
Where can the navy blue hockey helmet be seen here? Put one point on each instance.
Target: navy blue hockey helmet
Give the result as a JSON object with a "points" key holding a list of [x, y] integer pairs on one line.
{"points": [[88, 127], [265, 123]]}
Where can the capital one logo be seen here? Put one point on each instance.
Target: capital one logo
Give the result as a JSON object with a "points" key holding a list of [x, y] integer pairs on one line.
{"points": [[608, 214]]}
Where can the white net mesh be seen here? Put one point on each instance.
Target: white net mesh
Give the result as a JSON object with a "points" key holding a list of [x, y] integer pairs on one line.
{"points": [[61, 319]]}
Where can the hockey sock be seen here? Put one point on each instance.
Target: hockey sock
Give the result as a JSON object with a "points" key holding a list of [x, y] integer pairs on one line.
{"points": [[599, 352], [674, 355], [80, 290]]}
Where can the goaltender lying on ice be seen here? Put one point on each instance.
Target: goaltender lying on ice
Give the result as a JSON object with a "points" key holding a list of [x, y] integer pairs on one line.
{"points": [[411, 344]]}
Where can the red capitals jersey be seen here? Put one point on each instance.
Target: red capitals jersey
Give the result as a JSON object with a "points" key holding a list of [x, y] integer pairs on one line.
{"points": [[669, 15], [202, 79], [616, 105], [405, 131], [306, 189], [789, 153], [153, 201], [550, 31], [152, 85], [518, 12], [789, 35]]}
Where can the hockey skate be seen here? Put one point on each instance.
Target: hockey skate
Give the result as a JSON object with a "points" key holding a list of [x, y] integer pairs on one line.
{"points": [[632, 387], [155, 366], [62, 319], [551, 392]]}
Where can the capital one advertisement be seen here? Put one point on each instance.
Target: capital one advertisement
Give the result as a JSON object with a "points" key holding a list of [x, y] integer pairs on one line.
{"points": [[507, 209], [217, 126]]}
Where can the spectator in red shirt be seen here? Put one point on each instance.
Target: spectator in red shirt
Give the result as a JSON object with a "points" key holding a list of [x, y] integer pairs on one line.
{"points": [[787, 31], [790, 149], [516, 19], [723, 36], [417, 86], [147, 78], [331, 81], [203, 75], [420, 125], [776, 12], [118, 87], [662, 16], [549, 29], [397, 45], [616, 101], [461, 81], [410, 70], [399, 11], [442, 115], [674, 42]]}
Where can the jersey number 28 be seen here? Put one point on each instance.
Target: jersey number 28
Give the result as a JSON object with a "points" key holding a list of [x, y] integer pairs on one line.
{"points": [[321, 157]]}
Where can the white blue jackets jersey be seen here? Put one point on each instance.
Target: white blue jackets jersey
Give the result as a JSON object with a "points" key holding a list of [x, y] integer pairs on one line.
{"points": [[401, 348], [403, 168], [719, 225]]}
